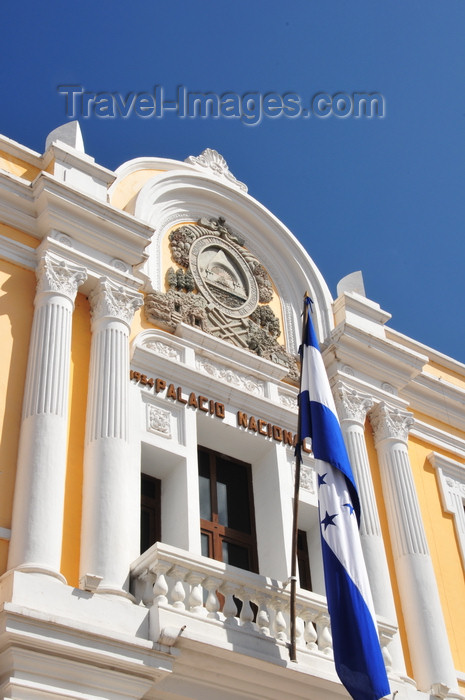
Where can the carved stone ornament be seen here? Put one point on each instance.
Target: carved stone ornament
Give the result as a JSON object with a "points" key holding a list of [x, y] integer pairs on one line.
{"points": [[110, 299], [389, 422], [211, 160], [220, 288], [223, 276], [57, 275], [158, 421], [226, 374], [351, 404]]}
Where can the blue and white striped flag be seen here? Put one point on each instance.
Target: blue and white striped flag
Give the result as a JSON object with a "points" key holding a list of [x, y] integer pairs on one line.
{"points": [[357, 653]]}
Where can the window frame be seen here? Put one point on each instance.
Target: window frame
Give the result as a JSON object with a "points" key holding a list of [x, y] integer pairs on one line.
{"points": [[218, 533]]}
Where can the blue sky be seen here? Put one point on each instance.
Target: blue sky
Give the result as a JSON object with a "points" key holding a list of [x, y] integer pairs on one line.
{"points": [[385, 196]]}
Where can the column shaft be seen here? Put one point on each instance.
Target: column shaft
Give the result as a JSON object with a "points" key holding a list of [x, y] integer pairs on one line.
{"points": [[352, 407], [421, 607], [111, 490], [37, 523]]}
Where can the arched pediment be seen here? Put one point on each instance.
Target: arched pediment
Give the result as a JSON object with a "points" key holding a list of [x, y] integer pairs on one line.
{"points": [[188, 196]]}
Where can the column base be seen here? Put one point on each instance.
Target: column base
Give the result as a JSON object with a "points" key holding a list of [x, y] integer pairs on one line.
{"points": [[40, 569]]}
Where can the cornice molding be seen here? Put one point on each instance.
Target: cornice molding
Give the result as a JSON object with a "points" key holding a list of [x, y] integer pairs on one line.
{"points": [[438, 398], [372, 359], [17, 207], [433, 355], [439, 438], [17, 253], [93, 223], [17, 150]]}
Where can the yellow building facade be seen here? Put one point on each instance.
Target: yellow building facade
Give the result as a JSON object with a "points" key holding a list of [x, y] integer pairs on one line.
{"points": [[148, 400]]}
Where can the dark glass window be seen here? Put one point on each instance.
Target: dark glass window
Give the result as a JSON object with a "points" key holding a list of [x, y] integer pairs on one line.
{"points": [[150, 512], [303, 561], [226, 510]]}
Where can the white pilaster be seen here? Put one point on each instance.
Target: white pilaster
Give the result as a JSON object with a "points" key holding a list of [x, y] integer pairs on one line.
{"points": [[424, 622], [111, 489], [352, 407], [37, 524]]}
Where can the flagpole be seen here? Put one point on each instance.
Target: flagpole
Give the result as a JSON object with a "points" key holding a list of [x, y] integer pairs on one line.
{"points": [[298, 459]]}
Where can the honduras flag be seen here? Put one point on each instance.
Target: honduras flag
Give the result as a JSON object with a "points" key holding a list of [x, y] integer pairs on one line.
{"points": [[357, 653]]}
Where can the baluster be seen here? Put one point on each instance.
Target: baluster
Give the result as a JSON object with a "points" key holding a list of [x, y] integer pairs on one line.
{"points": [[229, 607], [279, 623], [299, 630], [246, 616], [325, 641], [160, 587], [196, 595], [144, 587], [178, 593], [212, 603], [384, 641], [263, 617], [310, 634]]}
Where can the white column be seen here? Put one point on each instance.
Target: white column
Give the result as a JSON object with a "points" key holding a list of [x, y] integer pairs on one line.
{"points": [[111, 489], [352, 408], [428, 643], [37, 524]]}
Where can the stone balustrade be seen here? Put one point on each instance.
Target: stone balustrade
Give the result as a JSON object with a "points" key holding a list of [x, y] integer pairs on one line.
{"points": [[197, 587]]}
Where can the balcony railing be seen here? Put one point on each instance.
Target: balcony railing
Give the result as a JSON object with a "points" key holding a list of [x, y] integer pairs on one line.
{"points": [[200, 588]]}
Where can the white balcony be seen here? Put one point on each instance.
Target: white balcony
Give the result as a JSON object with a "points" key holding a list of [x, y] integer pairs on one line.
{"points": [[197, 600]]}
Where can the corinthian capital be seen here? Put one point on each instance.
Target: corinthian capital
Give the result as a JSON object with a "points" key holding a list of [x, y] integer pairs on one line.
{"points": [[390, 422], [351, 404], [112, 300], [57, 275]]}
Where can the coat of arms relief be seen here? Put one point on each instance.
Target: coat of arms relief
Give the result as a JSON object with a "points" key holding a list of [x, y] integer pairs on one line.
{"points": [[220, 287]]}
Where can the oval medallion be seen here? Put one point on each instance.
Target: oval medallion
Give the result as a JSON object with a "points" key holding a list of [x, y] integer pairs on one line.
{"points": [[223, 276]]}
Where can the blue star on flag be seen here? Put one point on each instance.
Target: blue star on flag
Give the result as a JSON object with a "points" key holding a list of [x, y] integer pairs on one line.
{"points": [[328, 520]]}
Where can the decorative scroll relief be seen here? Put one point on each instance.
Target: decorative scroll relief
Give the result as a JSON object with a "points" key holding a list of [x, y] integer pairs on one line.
{"points": [[57, 275], [110, 299], [288, 401], [220, 288], [165, 350], [389, 422], [226, 374], [214, 162], [350, 403], [307, 478], [158, 421]]}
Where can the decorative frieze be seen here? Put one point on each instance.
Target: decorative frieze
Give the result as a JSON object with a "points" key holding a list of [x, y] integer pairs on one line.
{"points": [[164, 350], [288, 401], [226, 374]]}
